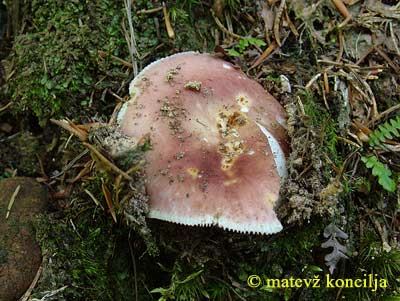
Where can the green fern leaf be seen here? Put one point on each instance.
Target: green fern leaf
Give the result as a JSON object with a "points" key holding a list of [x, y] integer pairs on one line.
{"points": [[392, 128], [389, 130], [385, 132], [381, 171]]}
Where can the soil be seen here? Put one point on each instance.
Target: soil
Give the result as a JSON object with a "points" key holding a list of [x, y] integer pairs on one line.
{"points": [[20, 255]]}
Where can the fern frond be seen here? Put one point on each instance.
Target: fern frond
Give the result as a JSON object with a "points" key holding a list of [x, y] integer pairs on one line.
{"points": [[379, 170], [388, 130]]}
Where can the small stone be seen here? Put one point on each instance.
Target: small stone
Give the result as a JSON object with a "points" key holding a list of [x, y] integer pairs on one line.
{"points": [[20, 255]]}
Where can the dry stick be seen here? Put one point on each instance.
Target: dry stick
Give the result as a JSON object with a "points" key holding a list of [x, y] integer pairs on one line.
{"points": [[385, 113], [107, 162], [326, 83], [170, 30], [151, 51], [28, 293], [149, 11], [11, 203], [277, 20], [264, 55], [109, 201], [342, 8], [353, 66], [66, 126], [364, 56], [378, 227], [393, 38], [291, 25], [324, 95], [387, 59], [115, 113], [70, 164], [116, 95], [340, 54], [130, 39], [6, 106], [103, 54], [222, 27], [94, 199], [41, 167], [134, 267], [84, 171]]}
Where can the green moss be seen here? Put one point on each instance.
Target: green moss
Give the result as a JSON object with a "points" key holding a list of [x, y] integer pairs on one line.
{"points": [[80, 253], [382, 262], [326, 127], [57, 62]]}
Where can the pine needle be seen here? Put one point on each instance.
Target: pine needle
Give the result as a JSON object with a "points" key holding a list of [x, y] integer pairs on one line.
{"points": [[11, 203]]}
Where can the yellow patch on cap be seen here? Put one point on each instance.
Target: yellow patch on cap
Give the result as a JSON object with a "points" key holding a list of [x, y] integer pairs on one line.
{"points": [[270, 199], [230, 182], [193, 171]]}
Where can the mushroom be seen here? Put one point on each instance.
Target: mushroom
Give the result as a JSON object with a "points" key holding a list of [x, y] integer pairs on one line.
{"points": [[218, 143]]}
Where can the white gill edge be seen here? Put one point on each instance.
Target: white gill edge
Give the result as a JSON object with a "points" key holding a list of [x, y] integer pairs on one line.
{"points": [[248, 227], [277, 152]]}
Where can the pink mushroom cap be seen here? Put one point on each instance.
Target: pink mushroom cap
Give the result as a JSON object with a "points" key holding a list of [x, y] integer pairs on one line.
{"points": [[218, 143]]}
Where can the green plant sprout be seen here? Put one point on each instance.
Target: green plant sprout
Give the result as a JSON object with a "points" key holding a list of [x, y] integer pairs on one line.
{"points": [[188, 289], [243, 44]]}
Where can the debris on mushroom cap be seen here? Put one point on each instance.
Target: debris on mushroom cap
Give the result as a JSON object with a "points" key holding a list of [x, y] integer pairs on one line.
{"points": [[218, 143]]}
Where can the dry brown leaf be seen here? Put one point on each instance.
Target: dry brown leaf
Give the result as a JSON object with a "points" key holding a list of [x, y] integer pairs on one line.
{"points": [[109, 201]]}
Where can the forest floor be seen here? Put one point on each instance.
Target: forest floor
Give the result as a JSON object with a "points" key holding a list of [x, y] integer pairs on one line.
{"points": [[333, 64]]}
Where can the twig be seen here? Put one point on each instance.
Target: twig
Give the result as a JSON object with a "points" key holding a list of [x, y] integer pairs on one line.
{"points": [[265, 54], [312, 80], [326, 82], [6, 106], [393, 38], [106, 161], [149, 11], [151, 51], [291, 25], [49, 294], [277, 20], [109, 202], [134, 267], [116, 95], [340, 53], [348, 141], [12, 199], [385, 113], [387, 59], [28, 292], [377, 68], [84, 171], [114, 115], [364, 55], [70, 164], [170, 30], [130, 37], [103, 54], [378, 227], [94, 199], [67, 126], [222, 27], [342, 8]]}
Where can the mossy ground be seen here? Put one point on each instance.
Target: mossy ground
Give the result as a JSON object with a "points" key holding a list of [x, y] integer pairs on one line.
{"points": [[63, 65]]}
